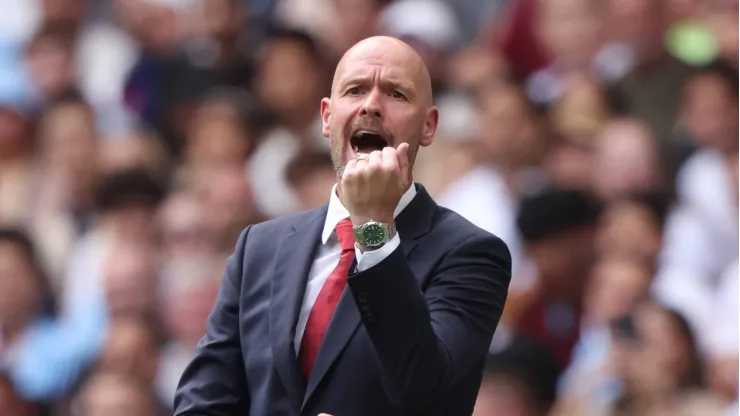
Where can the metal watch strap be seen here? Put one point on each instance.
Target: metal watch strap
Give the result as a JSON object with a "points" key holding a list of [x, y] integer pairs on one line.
{"points": [[389, 231]]}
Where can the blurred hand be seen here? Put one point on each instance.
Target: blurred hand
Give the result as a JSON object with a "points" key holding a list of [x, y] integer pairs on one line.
{"points": [[372, 185]]}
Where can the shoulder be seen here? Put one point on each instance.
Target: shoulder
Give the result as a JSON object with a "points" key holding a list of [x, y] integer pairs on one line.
{"points": [[702, 160], [258, 243], [272, 229], [704, 167], [454, 243], [457, 232]]}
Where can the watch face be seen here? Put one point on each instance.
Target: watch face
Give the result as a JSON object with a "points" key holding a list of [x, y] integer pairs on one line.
{"points": [[373, 234]]}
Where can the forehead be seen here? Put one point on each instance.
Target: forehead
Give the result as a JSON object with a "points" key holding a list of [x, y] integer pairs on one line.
{"points": [[388, 62]]}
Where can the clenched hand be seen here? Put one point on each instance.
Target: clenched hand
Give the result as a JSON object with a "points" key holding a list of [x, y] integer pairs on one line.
{"points": [[372, 185]]}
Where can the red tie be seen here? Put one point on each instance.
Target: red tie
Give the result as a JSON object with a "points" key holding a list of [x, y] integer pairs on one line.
{"points": [[326, 302]]}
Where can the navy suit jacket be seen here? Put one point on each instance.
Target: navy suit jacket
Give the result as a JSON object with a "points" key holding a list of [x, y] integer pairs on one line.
{"points": [[409, 335]]}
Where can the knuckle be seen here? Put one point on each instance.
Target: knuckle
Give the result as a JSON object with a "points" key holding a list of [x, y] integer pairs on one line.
{"points": [[348, 174], [361, 169]]}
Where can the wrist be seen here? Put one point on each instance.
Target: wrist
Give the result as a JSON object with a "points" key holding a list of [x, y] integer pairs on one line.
{"points": [[358, 220]]}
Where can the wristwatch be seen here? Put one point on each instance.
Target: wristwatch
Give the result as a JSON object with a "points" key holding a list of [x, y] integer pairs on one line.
{"points": [[373, 234]]}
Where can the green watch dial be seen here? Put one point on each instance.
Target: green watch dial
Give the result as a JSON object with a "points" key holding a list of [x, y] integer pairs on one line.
{"points": [[373, 234]]}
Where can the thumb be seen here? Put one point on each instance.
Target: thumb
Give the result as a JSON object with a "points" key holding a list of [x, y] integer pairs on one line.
{"points": [[403, 160]]}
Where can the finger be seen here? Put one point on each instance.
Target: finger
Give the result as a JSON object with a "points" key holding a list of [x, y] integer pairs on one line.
{"points": [[403, 159], [360, 163], [376, 158], [349, 169], [390, 159], [361, 167]]}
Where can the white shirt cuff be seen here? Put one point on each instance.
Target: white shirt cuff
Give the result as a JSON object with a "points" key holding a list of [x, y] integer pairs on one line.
{"points": [[371, 258]]}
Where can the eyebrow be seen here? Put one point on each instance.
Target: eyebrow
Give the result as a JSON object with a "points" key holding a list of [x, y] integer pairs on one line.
{"points": [[404, 87]]}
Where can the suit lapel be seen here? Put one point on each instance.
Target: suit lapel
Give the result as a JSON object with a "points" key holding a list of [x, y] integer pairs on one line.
{"points": [[412, 223], [293, 260], [416, 220]]}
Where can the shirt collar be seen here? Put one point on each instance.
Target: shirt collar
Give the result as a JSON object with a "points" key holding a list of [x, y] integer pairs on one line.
{"points": [[338, 212]]}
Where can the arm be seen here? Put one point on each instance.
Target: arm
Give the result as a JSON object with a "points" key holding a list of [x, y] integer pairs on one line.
{"points": [[54, 353], [427, 342], [214, 383]]}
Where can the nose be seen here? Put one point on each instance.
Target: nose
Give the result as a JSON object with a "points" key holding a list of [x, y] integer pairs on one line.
{"points": [[372, 105]]}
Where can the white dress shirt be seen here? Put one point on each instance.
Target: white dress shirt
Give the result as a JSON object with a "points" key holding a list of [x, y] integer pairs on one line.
{"points": [[327, 256], [700, 242], [482, 197]]}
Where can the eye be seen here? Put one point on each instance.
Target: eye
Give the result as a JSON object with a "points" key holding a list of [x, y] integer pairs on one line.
{"points": [[397, 95], [354, 91]]}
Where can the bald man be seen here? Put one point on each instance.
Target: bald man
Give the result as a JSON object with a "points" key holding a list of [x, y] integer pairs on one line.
{"points": [[380, 302]]}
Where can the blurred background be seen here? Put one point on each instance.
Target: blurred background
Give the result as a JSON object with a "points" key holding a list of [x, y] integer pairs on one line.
{"points": [[598, 138]]}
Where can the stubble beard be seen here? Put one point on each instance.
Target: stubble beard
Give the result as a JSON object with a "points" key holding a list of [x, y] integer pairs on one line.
{"points": [[337, 155]]}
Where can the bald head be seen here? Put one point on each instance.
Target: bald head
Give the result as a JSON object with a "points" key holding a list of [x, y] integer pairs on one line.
{"points": [[381, 86], [393, 50]]}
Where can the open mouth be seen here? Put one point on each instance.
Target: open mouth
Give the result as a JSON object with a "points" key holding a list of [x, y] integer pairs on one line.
{"points": [[366, 142]]}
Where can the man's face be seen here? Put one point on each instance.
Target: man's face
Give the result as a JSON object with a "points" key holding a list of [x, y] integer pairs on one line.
{"points": [[130, 349], [564, 260], [289, 79], [381, 97], [571, 30], [66, 10], [711, 112], [19, 288], [640, 23], [222, 18], [130, 281], [51, 65], [115, 395], [625, 159]]}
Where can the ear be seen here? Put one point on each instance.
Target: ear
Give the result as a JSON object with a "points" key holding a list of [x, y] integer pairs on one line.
{"points": [[430, 127], [325, 114]]}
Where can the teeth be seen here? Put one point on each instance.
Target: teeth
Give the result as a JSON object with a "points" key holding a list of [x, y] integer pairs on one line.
{"points": [[356, 148]]}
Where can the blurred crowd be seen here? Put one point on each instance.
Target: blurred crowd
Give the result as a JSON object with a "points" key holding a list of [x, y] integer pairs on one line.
{"points": [[597, 138]]}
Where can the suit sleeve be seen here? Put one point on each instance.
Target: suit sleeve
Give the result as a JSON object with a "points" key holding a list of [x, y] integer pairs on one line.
{"points": [[427, 342], [214, 383]]}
